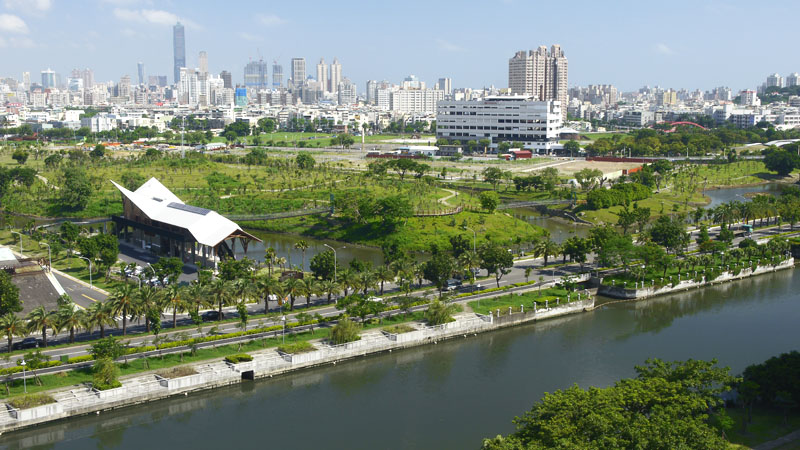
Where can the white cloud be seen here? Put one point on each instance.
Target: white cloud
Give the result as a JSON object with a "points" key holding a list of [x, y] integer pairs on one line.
{"points": [[127, 32], [16, 42], [10, 23], [664, 49], [29, 6], [269, 20], [448, 46], [151, 16], [249, 37]]}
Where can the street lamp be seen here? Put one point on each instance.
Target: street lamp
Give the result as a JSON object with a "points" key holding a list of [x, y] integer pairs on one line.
{"points": [[283, 333], [474, 237], [49, 256], [138, 278], [91, 285], [20, 240], [24, 382], [334, 261]]}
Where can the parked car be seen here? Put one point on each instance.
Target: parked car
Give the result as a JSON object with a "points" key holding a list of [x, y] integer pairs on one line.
{"points": [[28, 342], [453, 284], [375, 299], [210, 316]]}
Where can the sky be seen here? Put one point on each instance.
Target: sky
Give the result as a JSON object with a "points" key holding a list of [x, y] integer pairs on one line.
{"points": [[679, 44]]}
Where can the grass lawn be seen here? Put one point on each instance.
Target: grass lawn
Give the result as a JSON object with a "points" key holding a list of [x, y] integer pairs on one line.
{"points": [[767, 425], [486, 305]]}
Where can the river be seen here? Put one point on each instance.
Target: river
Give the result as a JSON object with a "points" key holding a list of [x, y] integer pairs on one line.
{"points": [[453, 394], [719, 196]]}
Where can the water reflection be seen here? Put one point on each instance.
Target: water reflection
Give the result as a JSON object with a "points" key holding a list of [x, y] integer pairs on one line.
{"points": [[560, 229], [719, 196]]}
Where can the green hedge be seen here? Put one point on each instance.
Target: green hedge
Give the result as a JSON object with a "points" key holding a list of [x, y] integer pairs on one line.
{"points": [[30, 401], [80, 359], [297, 347], [237, 358]]}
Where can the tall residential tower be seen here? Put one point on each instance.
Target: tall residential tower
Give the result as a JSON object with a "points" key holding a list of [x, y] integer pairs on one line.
{"points": [[541, 74]]}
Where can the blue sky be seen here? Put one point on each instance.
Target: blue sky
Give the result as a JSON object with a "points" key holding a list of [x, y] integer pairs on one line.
{"points": [[680, 44]]}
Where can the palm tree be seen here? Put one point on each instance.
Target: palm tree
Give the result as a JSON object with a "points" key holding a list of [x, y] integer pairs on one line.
{"points": [[100, 315], [269, 258], [219, 292], [174, 298], [366, 280], [268, 287], [348, 280], [291, 287], [195, 296], [470, 260], [302, 246], [330, 287], [384, 274], [71, 318], [148, 299], [309, 287], [547, 248], [123, 301], [12, 326], [40, 320]]}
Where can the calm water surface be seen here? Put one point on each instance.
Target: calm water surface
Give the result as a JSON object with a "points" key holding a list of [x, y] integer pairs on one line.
{"points": [[451, 395]]}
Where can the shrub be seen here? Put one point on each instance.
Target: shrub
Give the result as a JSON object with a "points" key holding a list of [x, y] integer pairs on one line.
{"points": [[31, 401], [619, 194], [10, 370], [105, 374], [345, 331], [80, 359], [439, 313], [399, 328], [176, 372], [237, 358], [297, 347]]}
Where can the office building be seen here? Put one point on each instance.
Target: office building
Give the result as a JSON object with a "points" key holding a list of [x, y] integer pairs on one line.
{"points": [[537, 124], [227, 79], [298, 72], [346, 92], [277, 75], [124, 87], [255, 75], [322, 75], [446, 85], [336, 75], [540, 74], [202, 62], [140, 71], [178, 50], [48, 79]]}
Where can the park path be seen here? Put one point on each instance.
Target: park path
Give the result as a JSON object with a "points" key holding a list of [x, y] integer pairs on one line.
{"points": [[792, 437], [47, 182], [444, 200]]}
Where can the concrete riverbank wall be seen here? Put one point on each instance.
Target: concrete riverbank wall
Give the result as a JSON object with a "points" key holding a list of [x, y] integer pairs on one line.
{"points": [[691, 283], [267, 363]]}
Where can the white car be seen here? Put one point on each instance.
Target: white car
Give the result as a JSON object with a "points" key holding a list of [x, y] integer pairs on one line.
{"points": [[375, 299]]}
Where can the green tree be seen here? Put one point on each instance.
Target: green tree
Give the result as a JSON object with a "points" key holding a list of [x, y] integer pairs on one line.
{"points": [[304, 161], [345, 331], [323, 265], [9, 295], [105, 374], [493, 176], [577, 249], [781, 161], [12, 326], [220, 294], [71, 318], [167, 268], [20, 156], [100, 315], [496, 259], [109, 347], [40, 320], [489, 200], [670, 233], [438, 270], [76, 189], [98, 151], [573, 147]]}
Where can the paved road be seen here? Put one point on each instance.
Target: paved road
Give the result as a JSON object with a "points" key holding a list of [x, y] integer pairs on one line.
{"points": [[82, 295]]}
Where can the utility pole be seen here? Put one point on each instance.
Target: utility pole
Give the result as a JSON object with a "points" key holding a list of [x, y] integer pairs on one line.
{"points": [[183, 127]]}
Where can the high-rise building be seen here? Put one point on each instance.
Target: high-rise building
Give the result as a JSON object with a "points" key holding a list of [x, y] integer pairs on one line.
{"points": [[255, 75], [774, 80], [48, 79], [541, 74], [277, 75], [26, 81], [124, 87], [322, 75], [178, 50], [346, 92], [88, 78], [227, 79], [446, 85], [140, 70], [202, 62], [372, 91], [336, 74], [298, 72], [792, 80]]}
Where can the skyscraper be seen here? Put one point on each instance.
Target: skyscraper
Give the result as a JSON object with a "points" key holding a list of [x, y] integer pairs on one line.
{"points": [[140, 70], [322, 75], [298, 72], [48, 79], [277, 75], [124, 87], [336, 75], [88, 78], [178, 50], [541, 74], [202, 62], [26, 81], [255, 75], [446, 85], [227, 79]]}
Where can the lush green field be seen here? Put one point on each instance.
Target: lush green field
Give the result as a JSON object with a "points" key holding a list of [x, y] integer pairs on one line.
{"points": [[503, 302], [311, 140]]}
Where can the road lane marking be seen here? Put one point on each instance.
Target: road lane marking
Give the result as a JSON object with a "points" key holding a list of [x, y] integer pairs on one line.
{"points": [[90, 298]]}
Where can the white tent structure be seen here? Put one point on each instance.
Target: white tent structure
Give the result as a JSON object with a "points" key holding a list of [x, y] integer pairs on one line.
{"points": [[161, 222]]}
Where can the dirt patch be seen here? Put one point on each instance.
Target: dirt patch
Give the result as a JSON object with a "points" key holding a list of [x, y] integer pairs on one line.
{"points": [[176, 372], [608, 168]]}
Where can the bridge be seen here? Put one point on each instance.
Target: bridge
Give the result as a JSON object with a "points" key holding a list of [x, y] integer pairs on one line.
{"points": [[278, 215], [530, 204]]}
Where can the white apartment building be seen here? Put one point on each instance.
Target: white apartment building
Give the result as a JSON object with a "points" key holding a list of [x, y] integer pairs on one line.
{"points": [[502, 118], [99, 123], [415, 100]]}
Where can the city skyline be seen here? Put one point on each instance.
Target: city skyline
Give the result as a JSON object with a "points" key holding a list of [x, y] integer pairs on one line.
{"points": [[112, 36]]}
